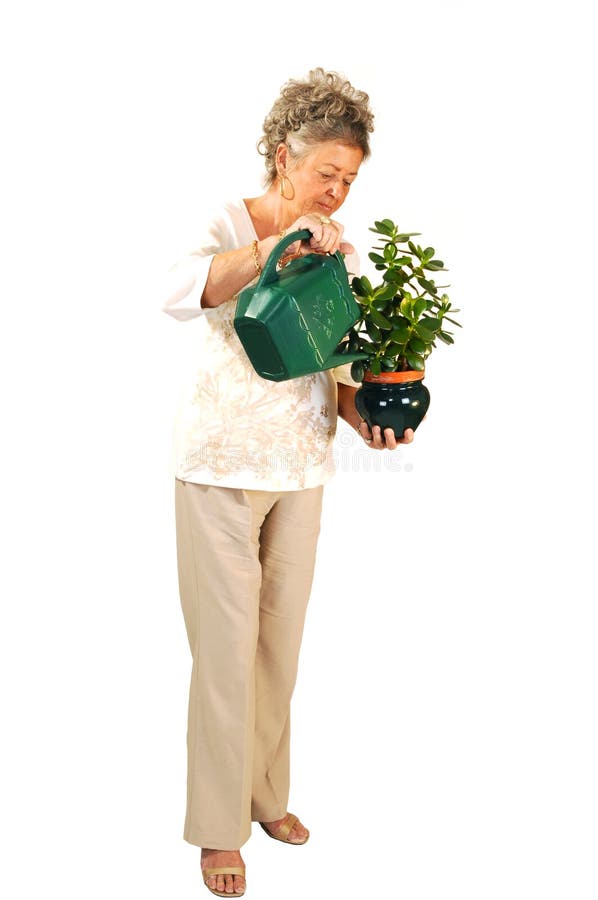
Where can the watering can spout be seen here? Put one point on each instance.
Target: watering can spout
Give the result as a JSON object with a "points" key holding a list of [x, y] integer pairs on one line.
{"points": [[341, 359]]}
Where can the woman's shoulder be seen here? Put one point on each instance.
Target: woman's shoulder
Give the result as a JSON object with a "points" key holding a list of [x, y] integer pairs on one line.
{"points": [[221, 227], [232, 219]]}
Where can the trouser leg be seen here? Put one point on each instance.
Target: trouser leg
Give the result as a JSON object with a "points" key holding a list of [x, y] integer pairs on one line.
{"points": [[288, 542], [219, 580]]}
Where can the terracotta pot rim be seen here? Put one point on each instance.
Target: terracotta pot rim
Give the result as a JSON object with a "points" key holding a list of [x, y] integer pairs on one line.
{"points": [[394, 377]]}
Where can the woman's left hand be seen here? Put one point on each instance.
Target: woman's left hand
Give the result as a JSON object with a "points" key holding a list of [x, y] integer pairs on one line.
{"points": [[387, 441], [326, 236]]}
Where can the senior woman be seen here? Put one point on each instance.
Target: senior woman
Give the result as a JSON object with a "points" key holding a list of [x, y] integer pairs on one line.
{"points": [[251, 458]]}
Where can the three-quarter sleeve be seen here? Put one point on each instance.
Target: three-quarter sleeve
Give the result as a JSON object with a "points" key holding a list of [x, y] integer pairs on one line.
{"points": [[342, 375], [184, 283]]}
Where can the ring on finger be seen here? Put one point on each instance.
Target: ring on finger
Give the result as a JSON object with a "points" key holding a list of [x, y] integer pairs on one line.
{"points": [[325, 220]]}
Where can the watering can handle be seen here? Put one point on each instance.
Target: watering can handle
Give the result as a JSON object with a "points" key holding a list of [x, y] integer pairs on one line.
{"points": [[269, 272]]}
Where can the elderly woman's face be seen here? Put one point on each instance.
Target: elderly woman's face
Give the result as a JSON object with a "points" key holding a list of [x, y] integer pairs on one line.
{"points": [[323, 178]]}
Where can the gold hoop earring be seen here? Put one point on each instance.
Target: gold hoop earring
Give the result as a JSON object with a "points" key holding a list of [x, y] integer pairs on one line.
{"points": [[281, 187]]}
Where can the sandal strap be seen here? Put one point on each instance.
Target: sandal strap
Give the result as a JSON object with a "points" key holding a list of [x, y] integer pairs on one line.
{"points": [[224, 870], [285, 828]]}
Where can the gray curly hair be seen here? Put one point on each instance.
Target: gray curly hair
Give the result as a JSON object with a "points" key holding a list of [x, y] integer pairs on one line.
{"points": [[322, 107]]}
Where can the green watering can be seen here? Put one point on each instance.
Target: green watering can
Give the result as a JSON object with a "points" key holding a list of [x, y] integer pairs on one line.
{"points": [[291, 322]]}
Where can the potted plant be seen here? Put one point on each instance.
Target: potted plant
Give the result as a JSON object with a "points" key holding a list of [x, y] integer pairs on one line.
{"points": [[401, 320]]}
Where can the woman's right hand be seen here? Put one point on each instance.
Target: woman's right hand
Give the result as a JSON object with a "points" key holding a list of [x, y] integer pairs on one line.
{"points": [[326, 237]]}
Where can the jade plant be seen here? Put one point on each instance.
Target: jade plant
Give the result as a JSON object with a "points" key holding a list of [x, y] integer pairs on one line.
{"points": [[403, 316]]}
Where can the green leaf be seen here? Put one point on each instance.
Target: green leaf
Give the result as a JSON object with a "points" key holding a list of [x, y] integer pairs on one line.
{"points": [[419, 307], [405, 235], [435, 265], [415, 361], [400, 335], [427, 285], [416, 345], [385, 293], [423, 333], [379, 303], [406, 304], [390, 251], [431, 324], [366, 283], [373, 331], [358, 287], [379, 319], [403, 261], [376, 258], [393, 276], [387, 363], [382, 228], [375, 366], [446, 337], [394, 349], [357, 370]]}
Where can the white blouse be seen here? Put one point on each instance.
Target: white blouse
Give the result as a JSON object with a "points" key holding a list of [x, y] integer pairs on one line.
{"points": [[234, 428]]}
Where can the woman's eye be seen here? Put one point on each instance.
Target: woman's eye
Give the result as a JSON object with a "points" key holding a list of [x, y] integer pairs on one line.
{"points": [[324, 175]]}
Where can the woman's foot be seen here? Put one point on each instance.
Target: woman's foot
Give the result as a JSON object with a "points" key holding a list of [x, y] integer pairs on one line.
{"points": [[298, 833], [212, 859]]}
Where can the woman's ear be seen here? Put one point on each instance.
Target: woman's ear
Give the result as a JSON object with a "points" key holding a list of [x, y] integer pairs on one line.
{"points": [[282, 158]]}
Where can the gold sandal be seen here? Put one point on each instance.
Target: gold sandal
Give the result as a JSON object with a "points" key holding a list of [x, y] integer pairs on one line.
{"points": [[284, 829], [223, 870]]}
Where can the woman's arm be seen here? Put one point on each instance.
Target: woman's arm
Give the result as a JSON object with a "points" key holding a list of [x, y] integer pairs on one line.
{"points": [[346, 405], [213, 274], [232, 270]]}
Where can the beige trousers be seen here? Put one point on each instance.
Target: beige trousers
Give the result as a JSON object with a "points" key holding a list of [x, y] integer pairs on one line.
{"points": [[245, 566]]}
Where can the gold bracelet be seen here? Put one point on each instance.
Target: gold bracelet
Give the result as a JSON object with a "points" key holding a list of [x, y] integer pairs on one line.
{"points": [[256, 258]]}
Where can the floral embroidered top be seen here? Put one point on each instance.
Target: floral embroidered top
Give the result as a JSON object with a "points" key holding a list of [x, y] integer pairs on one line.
{"points": [[233, 427]]}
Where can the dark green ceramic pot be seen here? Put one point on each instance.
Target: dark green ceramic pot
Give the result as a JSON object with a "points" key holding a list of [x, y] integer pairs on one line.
{"points": [[396, 400]]}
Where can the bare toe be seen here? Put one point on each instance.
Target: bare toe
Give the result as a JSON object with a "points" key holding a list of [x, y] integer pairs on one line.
{"points": [[298, 833], [223, 882]]}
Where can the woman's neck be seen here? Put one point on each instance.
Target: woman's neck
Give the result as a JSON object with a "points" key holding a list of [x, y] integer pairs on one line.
{"points": [[270, 213]]}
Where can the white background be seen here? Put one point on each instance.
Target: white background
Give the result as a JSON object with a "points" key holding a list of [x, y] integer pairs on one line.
{"points": [[444, 731]]}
